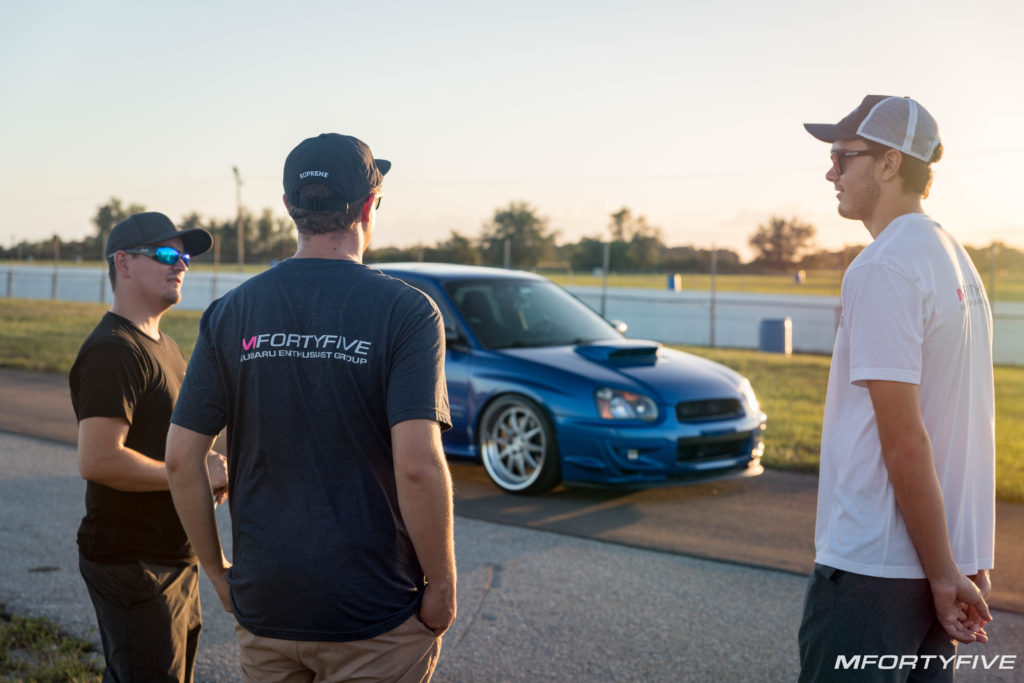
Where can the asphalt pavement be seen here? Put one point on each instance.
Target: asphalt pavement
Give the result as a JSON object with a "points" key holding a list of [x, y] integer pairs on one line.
{"points": [[578, 585]]}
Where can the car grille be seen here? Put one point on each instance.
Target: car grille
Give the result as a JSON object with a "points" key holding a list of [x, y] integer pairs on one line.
{"points": [[712, 447], [713, 409]]}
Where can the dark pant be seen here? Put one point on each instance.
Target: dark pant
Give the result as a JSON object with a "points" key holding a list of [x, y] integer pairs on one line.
{"points": [[847, 615], [149, 619]]}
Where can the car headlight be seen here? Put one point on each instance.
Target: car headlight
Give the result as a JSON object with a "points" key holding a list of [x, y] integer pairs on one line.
{"points": [[616, 404], [749, 396]]}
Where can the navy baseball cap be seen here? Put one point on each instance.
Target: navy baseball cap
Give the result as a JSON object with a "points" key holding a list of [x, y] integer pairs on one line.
{"points": [[151, 227], [341, 162]]}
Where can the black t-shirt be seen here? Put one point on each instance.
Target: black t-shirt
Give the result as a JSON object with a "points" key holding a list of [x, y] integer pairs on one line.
{"points": [[309, 364], [120, 372]]}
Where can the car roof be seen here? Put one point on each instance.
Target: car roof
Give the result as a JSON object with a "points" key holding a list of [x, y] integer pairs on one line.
{"points": [[447, 272]]}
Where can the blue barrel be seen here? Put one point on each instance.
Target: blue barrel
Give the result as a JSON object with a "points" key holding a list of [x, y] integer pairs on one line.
{"points": [[776, 336]]}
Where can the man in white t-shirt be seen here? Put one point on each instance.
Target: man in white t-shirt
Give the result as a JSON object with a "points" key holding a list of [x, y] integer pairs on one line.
{"points": [[906, 499]]}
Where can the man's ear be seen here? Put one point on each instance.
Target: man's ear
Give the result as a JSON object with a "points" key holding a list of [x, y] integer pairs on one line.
{"points": [[891, 162], [121, 262], [287, 206], [367, 206]]}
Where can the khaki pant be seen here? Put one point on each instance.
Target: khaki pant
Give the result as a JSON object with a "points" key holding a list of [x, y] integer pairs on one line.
{"points": [[407, 654]]}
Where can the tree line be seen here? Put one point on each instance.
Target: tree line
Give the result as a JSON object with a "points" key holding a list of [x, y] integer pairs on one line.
{"points": [[266, 236], [516, 235]]}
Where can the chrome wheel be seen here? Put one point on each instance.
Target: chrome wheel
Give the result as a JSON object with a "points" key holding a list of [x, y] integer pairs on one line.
{"points": [[517, 446]]}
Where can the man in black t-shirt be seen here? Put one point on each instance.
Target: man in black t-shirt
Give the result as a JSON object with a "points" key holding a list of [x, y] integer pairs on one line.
{"points": [[135, 558], [329, 377]]}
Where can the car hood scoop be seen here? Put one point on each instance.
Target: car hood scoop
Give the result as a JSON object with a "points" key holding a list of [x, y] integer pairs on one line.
{"points": [[621, 351]]}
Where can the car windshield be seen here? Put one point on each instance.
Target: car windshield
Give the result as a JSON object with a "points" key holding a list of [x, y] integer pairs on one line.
{"points": [[506, 313]]}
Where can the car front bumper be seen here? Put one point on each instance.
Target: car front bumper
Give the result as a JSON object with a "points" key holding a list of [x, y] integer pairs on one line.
{"points": [[634, 453]]}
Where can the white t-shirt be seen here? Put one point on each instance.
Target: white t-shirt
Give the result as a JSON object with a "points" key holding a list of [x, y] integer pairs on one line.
{"points": [[915, 311]]}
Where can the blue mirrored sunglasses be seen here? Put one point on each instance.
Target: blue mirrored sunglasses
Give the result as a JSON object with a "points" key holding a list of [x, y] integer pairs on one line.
{"points": [[165, 255]]}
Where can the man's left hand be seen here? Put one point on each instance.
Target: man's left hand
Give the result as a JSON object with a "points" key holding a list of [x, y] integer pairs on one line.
{"points": [[217, 466]]}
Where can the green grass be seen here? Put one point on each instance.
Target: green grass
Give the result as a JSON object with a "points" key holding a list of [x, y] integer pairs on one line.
{"points": [[45, 336], [33, 649]]}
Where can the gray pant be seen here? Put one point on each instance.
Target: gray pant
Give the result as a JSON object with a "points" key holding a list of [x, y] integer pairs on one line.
{"points": [[847, 614], [149, 619]]}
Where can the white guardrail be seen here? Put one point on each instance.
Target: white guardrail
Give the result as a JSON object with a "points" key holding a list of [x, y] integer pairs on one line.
{"points": [[671, 317]]}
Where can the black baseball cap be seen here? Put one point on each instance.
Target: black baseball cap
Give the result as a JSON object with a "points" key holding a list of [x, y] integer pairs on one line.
{"points": [[897, 122], [341, 162], [151, 227]]}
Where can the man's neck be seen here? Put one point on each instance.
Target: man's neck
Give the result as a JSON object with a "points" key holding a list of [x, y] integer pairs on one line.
{"points": [[887, 211], [343, 245], [144, 318]]}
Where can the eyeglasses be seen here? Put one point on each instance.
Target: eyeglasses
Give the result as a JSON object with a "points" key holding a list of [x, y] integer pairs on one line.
{"points": [[376, 201], [841, 156], [165, 255]]}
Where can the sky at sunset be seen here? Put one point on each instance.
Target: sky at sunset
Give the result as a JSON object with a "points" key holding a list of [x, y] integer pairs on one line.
{"points": [[688, 113]]}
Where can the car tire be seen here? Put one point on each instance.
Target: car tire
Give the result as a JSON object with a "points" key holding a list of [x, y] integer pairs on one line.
{"points": [[517, 445]]}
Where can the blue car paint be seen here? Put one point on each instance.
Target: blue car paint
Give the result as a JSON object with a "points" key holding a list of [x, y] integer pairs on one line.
{"points": [[563, 380]]}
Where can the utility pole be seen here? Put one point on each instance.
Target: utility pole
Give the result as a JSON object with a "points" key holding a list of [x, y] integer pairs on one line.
{"points": [[10, 268], [992, 273], [216, 259], [714, 293], [604, 277], [238, 218], [56, 259]]}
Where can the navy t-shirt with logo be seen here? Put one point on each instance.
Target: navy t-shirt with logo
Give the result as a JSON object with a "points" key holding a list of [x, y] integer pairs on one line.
{"points": [[309, 365]]}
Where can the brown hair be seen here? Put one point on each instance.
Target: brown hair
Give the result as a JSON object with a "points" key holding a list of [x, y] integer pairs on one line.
{"points": [[321, 222], [917, 175]]}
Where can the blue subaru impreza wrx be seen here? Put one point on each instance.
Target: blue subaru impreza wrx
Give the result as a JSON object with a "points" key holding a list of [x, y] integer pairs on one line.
{"points": [[544, 390]]}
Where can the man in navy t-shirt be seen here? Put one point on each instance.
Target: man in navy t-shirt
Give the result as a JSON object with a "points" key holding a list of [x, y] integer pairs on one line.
{"points": [[329, 377]]}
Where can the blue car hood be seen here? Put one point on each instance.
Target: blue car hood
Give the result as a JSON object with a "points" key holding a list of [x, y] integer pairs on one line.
{"points": [[642, 365]]}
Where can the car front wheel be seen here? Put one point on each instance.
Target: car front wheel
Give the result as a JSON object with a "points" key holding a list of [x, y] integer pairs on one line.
{"points": [[517, 445]]}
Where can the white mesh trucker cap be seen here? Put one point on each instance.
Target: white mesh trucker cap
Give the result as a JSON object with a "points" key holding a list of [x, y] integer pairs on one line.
{"points": [[897, 122]]}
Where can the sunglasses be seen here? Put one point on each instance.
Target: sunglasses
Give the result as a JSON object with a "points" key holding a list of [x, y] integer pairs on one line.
{"points": [[165, 255], [376, 202], [839, 158]]}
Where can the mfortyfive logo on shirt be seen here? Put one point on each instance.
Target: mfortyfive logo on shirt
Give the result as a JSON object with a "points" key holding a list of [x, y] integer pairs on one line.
{"points": [[970, 294], [305, 346]]}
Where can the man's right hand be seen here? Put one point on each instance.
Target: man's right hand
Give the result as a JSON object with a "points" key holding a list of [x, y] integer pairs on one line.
{"points": [[961, 609], [437, 609]]}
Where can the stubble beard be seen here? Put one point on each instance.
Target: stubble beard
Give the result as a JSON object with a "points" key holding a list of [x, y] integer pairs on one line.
{"points": [[860, 205], [172, 298]]}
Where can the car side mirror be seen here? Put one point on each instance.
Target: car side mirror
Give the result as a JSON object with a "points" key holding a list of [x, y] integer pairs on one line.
{"points": [[453, 339], [619, 326]]}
